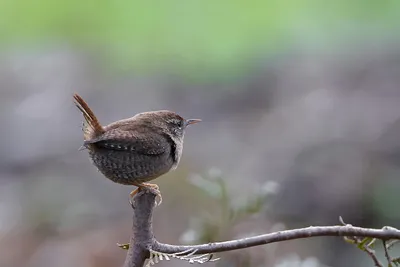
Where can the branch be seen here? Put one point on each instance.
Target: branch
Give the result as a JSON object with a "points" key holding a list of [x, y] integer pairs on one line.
{"points": [[142, 229], [312, 231], [143, 245]]}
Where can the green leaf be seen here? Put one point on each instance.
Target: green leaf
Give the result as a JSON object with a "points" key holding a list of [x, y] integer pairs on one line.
{"points": [[362, 244], [349, 240], [372, 243], [123, 246]]}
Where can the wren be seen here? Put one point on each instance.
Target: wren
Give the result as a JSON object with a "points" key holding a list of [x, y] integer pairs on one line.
{"points": [[135, 150]]}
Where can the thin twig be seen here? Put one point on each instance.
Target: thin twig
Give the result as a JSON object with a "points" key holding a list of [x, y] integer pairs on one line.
{"points": [[387, 253], [371, 253], [391, 243], [366, 247]]}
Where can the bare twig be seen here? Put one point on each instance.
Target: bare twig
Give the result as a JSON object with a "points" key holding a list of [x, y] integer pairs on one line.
{"points": [[391, 243], [371, 253], [365, 245], [389, 259], [143, 243]]}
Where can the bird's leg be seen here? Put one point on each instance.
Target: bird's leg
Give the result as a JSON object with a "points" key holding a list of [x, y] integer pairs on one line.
{"points": [[143, 186]]}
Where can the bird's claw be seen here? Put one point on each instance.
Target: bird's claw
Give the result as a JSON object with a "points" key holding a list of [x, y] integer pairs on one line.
{"points": [[154, 188], [160, 200]]}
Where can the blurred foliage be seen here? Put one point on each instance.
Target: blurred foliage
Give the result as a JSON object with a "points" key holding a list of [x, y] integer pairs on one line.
{"points": [[225, 214], [384, 195], [209, 37], [232, 209]]}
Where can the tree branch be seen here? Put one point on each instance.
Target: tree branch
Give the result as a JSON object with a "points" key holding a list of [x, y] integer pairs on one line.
{"points": [[312, 231], [143, 244], [142, 229]]}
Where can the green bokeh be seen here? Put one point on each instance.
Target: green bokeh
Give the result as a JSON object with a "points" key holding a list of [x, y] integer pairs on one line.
{"points": [[193, 36]]}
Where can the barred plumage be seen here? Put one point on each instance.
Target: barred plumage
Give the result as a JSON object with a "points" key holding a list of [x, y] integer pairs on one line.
{"points": [[135, 150]]}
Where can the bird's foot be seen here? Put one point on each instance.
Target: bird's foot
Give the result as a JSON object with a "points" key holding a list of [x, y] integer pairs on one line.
{"points": [[144, 186]]}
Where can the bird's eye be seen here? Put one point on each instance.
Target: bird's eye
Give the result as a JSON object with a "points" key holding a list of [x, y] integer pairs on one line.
{"points": [[178, 123]]}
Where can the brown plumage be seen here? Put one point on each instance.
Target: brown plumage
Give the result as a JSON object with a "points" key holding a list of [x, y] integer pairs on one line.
{"points": [[135, 150]]}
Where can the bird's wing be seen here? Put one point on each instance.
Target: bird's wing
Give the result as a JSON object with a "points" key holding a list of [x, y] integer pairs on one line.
{"points": [[127, 141]]}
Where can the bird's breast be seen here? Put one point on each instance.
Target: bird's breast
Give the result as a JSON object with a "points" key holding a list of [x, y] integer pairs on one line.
{"points": [[178, 148], [128, 167]]}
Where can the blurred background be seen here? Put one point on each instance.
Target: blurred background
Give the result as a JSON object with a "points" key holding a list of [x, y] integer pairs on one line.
{"points": [[300, 103]]}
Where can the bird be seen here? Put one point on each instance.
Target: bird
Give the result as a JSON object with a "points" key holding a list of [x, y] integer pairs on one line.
{"points": [[136, 150]]}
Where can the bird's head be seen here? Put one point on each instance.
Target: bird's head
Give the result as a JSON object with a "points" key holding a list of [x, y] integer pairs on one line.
{"points": [[168, 121]]}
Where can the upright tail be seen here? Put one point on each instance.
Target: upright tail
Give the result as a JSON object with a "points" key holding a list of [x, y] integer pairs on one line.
{"points": [[91, 126]]}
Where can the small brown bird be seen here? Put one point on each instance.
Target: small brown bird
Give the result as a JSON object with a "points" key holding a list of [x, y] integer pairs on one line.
{"points": [[135, 150]]}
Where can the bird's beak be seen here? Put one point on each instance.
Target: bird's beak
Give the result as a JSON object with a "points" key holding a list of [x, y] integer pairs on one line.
{"points": [[192, 121]]}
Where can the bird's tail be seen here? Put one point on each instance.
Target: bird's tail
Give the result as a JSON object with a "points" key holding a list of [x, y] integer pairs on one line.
{"points": [[91, 126]]}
